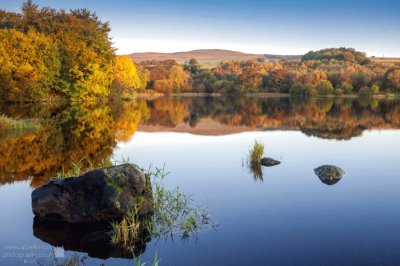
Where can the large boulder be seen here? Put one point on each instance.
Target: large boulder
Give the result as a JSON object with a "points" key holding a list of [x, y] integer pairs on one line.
{"points": [[101, 195], [329, 174], [269, 162]]}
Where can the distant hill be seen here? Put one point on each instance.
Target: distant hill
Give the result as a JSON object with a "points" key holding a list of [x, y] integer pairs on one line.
{"points": [[206, 56]]}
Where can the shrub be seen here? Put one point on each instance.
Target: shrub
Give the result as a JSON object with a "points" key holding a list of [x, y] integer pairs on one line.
{"points": [[305, 90], [369, 91], [347, 89], [339, 91], [365, 91], [324, 87], [374, 89]]}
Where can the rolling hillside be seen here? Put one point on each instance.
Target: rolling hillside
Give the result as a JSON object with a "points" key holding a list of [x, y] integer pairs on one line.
{"points": [[207, 57]]}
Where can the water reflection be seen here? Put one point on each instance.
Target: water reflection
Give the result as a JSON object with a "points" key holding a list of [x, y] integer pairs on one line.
{"points": [[74, 132], [94, 239], [332, 118]]}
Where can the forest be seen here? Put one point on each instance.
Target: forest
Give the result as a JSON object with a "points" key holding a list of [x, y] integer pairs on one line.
{"points": [[326, 72], [48, 55]]}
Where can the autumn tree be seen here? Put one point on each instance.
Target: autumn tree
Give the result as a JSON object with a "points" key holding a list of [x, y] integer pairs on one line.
{"points": [[324, 87], [193, 66], [179, 79], [125, 77], [82, 46], [392, 79], [29, 65]]}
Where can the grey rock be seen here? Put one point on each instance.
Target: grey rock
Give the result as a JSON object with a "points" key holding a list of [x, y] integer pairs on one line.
{"points": [[329, 174], [269, 162], [104, 194]]}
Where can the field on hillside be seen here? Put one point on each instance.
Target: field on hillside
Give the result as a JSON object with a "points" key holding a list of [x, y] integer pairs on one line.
{"points": [[208, 58], [388, 60]]}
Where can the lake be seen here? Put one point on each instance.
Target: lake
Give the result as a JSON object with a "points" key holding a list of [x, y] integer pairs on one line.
{"points": [[286, 216]]}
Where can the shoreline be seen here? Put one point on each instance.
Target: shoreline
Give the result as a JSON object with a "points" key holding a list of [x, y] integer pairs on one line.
{"points": [[155, 95], [151, 95]]}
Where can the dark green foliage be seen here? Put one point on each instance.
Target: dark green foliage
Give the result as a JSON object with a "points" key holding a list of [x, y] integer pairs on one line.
{"points": [[341, 54], [303, 90]]}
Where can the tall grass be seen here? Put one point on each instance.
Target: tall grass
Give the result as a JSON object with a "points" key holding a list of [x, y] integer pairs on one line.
{"points": [[9, 125], [256, 152], [138, 262], [127, 230], [79, 167], [254, 160], [174, 212]]}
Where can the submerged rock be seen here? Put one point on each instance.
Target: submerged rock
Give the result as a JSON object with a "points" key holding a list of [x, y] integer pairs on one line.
{"points": [[269, 162], [329, 174], [101, 195]]}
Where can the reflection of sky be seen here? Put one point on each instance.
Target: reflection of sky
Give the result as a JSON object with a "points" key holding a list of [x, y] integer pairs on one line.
{"points": [[292, 211], [290, 218], [268, 26]]}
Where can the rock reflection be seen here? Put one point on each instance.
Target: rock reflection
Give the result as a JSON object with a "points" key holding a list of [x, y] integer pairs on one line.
{"points": [[91, 238]]}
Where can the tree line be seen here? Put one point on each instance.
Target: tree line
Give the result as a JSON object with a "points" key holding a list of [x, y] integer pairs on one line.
{"points": [[325, 72], [48, 54]]}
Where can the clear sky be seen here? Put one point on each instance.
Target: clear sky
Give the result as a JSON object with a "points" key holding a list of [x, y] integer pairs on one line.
{"points": [[254, 26]]}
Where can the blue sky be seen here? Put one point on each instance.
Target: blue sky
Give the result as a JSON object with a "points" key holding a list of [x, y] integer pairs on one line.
{"points": [[254, 26]]}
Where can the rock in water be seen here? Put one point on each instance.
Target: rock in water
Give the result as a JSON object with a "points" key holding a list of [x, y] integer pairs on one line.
{"points": [[101, 195], [269, 162], [329, 174]]}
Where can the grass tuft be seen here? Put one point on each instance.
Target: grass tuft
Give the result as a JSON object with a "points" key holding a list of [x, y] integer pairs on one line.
{"points": [[254, 160], [14, 126], [256, 152], [174, 213], [127, 230], [79, 167]]}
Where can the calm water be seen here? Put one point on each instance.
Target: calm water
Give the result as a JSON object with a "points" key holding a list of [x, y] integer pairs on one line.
{"points": [[289, 217]]}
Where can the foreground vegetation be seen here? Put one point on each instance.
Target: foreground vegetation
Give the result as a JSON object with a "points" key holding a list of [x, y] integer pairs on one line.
{"points": [[174, 213]]}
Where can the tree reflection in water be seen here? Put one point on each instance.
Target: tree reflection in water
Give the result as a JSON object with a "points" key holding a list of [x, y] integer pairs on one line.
{"points": [[69, 133]]}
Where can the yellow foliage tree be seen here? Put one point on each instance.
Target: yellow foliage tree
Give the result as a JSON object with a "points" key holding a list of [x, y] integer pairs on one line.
{"points": [[29, 65], [126, 77], [179, 78]]}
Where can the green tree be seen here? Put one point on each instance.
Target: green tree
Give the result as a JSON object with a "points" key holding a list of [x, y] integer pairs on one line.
{"points": [[324, 87]]}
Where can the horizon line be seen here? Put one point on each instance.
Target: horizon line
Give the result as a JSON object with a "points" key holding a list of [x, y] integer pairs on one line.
{"points": [[249, 53]]}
